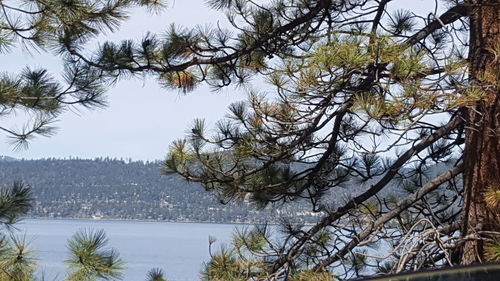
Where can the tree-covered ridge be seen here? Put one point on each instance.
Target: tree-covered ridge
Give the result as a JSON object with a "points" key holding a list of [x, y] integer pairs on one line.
{"points": [[117, 189]]}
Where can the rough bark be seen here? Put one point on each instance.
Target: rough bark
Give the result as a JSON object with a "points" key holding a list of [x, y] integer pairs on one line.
{"points": [[482, 140]]}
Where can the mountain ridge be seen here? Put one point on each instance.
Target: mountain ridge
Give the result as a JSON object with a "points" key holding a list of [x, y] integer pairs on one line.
{"points": [[135, 190], [116, 189]]}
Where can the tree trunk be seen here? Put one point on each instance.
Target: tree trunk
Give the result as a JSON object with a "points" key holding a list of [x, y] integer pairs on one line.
{"points": [[482, 132]]}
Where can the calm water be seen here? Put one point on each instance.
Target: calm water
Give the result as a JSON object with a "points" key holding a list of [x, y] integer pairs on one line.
{"points": [[178, 248]]}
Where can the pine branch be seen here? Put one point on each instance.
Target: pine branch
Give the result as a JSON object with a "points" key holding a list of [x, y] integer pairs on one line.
{"points": [[374, 189], [450, 16], [382, 220]]}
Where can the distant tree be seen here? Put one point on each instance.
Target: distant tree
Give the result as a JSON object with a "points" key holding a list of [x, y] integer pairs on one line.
{"points": [[365, 93]]}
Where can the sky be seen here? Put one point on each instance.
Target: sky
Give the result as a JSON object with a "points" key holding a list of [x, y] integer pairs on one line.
{"points": [[141, 119]]}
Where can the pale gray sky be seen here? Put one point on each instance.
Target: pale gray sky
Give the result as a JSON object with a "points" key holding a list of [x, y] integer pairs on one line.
{"points": [[142, 119]]}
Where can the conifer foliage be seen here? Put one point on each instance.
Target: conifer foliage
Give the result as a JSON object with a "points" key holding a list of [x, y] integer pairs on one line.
{"points": [[364, 93], [52, 26]]}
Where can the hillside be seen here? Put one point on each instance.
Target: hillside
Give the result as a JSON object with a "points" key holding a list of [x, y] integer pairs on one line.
{"points": [[115, 189]]}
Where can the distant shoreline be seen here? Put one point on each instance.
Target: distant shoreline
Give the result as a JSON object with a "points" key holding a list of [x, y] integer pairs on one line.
{"points": [[141, 220], [121, 191]]}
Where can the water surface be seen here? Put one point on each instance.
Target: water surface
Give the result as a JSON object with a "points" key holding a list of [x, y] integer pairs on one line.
{"points": [[180, 249]]}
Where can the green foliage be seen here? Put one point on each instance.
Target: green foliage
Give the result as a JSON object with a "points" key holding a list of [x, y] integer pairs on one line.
{"points": [[61, 27], [348, 52], [355, 88], [492, 197], [308, 275], [32, 89], [155, 274], [184, 80], [243, 260], [252, 240], [16, 261], [90, 259], [370, 208], [15, 202], [223, 266], [221, 4], [493, 249], [402, 21]]}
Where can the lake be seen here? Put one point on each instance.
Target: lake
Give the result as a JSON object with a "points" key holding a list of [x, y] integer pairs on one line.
{"points": [[180, 249]]}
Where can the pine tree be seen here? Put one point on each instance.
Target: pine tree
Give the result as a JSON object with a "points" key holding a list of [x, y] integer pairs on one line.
{"points": [[363, 94], [482, 141]]}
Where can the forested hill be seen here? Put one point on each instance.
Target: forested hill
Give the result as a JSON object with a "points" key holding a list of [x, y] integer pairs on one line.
{"points": [[115, 189]]}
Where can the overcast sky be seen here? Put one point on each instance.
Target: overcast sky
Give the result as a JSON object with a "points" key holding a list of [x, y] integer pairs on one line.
{"points": [[142, 119]]}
